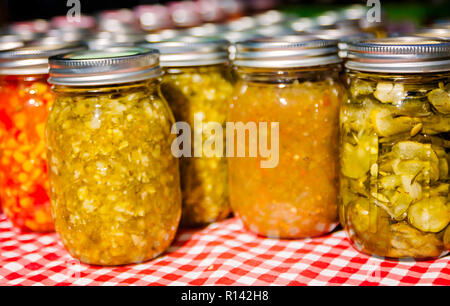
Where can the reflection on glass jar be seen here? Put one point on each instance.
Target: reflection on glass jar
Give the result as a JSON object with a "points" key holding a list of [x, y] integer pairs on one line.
{"points": [[394, 149], [25, 101], [198, 88], [115, 184], [298, 197]]}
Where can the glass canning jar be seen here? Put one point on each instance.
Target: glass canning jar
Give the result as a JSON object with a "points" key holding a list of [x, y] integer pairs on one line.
{"points": [[115, 187], [292, 81], [395, 147], [197, 86], [25, 100]]}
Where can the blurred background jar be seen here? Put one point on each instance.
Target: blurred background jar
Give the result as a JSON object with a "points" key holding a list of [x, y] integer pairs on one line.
{"points": [[115, 185], [395, 147], [153, 17], [292, 81], [184, 14], [25, 100], [197, 85]]}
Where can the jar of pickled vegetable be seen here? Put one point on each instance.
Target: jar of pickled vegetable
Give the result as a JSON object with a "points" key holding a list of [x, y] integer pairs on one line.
{"points": [[25, 100], [115, 187], [292, 81], [395, 148], [197, 86]]}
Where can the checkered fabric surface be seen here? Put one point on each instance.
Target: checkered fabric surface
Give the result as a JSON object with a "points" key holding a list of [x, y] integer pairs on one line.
{"points": [[220, 254]]}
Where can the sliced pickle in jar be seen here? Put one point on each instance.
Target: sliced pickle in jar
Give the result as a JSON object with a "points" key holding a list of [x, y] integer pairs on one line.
{"points": [[359, 186], [441, 190], [356, 159], [355, 117], [435, 140], [440, 99], [409, 167], [390, 182], [443, 168], [411, 187], [435, 124], [414, 150], [385, 164], [358, 215], [418, 170], [360, 88], [412, 107], [385, 124], [390, 93], [348, 195], [407, 241], [392, 140], [399, 205], [443, 162], [430, 215], [369, 226], [440, 152], [395, 203]]}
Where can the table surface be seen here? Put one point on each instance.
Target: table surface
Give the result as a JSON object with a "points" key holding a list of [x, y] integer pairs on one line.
{"points": [[223, 253]]}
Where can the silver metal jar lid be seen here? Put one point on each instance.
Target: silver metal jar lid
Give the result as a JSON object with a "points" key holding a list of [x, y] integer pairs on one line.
{"points": [[399, 55], [32, 59], [235, 37], [191, 51], [106, 67], [286, 52]]}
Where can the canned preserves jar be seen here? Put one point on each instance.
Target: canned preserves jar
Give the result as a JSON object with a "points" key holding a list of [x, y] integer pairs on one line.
{"points": [[25, 100], [292, 81], [395, 147], [115, 187], [197, 86]]}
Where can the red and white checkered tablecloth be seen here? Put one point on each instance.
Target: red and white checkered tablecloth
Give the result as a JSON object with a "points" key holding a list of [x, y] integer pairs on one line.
{"points": [[220, 254]]}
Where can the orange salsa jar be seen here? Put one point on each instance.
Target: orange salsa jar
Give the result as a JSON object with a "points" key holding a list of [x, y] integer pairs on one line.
{"points": [[297, 198], [25, 101]]}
